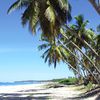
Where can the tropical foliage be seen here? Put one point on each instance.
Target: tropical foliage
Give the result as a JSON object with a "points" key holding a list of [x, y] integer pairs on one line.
{"points": [[75, 45], [50, 15]]}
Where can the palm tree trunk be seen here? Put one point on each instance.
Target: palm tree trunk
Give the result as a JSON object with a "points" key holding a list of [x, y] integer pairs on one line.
{"points": [[75, 34], [96, 7], [79, 61], [83, 70], [86, 57], [83, 54], [74, 69]]}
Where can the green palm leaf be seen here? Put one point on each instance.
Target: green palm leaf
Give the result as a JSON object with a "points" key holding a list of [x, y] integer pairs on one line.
{"points": [[18, 4], [50, 15], [43, 46]]}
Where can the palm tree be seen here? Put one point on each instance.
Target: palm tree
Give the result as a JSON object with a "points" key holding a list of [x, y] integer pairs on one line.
{"points": [[88, 35], [84, 55], [54, 53], [82, 64], [82, 32], [50, 15], [83, 41], [85, 35]]}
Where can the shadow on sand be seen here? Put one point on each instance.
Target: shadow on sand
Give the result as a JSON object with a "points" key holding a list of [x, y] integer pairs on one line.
{"points": [[87, 95], [98, 97], [31, 94], [25, 98], [38, 96]]}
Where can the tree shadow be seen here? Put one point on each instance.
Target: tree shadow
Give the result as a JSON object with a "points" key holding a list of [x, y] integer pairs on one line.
{"points": [[98, 97], [25, 98], [41, 98], [29, 96], [16, 98], [10, 94], [31, 90], [87, 95]]}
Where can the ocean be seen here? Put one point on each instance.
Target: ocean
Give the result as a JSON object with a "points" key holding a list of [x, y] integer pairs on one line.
{"points": [[18, 83]]}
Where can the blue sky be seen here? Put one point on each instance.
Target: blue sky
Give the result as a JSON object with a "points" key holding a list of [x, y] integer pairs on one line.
{"points": [[19, 56]]}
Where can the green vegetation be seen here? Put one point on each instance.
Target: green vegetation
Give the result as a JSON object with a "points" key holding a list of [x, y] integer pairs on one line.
{"points": [[58, 80], [66, 81], [76, 45], [69, 81]]}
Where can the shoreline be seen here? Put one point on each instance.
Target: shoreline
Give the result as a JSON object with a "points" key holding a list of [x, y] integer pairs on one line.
{"points": [[16, 88], [42, 91]]}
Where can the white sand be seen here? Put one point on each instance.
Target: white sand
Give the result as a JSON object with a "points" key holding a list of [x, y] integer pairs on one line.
{"points": [[39, 92], [18, 88]]}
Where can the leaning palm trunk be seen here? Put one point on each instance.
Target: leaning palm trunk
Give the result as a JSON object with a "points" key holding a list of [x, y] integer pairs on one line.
{"points": [[74, 69], [83, 54], [87, 57], [74, 33], [79, 61], [96, 7]]}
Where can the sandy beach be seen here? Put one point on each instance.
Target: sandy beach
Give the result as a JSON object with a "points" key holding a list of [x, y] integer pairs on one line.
{"points": [[42, 92]]}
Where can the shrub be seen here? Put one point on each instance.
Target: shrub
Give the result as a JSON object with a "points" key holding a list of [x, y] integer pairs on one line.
{"points": [[69, 81]]}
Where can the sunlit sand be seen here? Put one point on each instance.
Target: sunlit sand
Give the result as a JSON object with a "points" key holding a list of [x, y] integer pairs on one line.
{"points": [[39, 92]]}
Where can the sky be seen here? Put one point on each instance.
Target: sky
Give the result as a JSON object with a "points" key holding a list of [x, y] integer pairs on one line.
{"points": [[19, 56]]}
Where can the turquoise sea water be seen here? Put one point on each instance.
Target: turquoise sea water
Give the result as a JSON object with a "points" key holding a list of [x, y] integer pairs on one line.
{"points": [[18, 83]]}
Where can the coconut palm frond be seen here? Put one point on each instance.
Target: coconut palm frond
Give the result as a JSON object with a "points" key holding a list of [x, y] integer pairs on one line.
{"points": [[55, 52], [30, 16], [45, 53], [47, 57], [79, 20], [89, 34], [43, 46], [33, 22], [18, 4], [57, 49], [50, 15], [14, 6], [61, 8]]}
